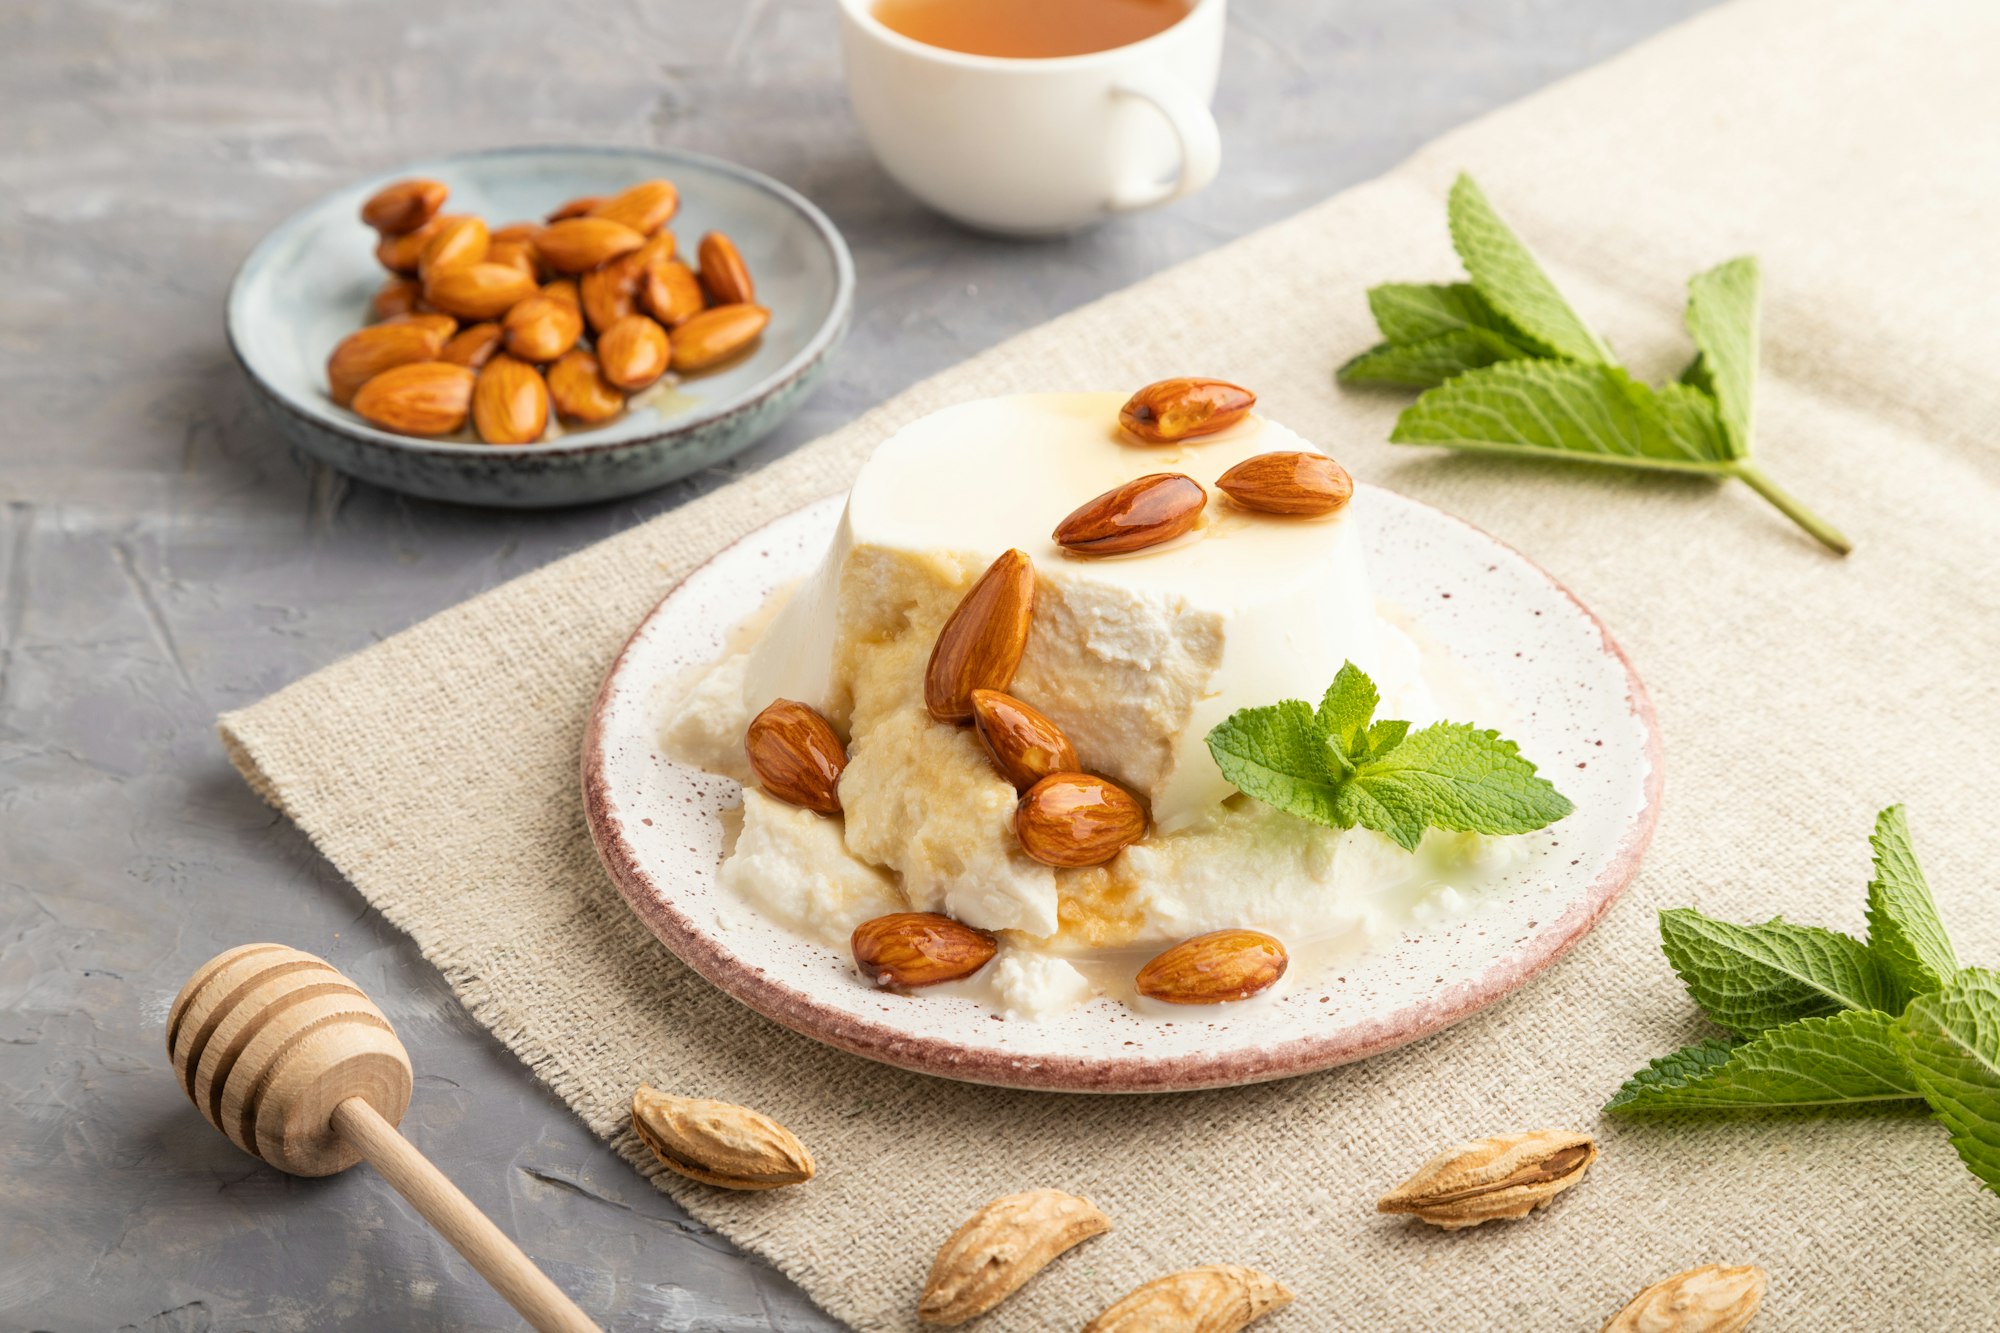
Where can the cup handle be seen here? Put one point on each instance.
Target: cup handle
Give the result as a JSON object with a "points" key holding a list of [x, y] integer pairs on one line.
{"points": [[1193, 125]]}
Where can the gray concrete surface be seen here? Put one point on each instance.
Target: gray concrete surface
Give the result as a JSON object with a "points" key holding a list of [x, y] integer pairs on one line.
{"points": [[162, 558]]}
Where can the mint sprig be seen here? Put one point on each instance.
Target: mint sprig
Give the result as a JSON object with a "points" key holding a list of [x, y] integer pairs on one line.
{"points": [[1510, 367], [1337, 766], [1820, 1011]]}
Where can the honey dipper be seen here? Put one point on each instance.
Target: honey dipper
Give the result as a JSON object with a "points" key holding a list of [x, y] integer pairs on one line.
{"points": [[298, 1068]]}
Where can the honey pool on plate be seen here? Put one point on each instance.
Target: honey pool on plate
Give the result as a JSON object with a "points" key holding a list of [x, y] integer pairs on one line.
{"points": [[1030, 29]]}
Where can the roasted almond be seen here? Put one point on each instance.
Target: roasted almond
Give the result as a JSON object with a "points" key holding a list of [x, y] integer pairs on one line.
{"points": [[633, 352], [1209, 969], [401, 252], [999, 1248], [510, 403], [422, 398], [1288, 483], [577, 207], [671, 292], [723, 271], [1023, 744], [577, 245], [1709, 1299], [911, 949], [581, 394], [980, 645], [403, 206], [1077, 819], [645, 207], [719, 1143], [474, 345], [1221, 1298], [1179, 409], [515, 254], [542, 327], [367, 352], [610, 292], [1506, 1176], [715, 335], [396, 296], [564, 289], [1141, 513], [442, 325], [796, 756], [458, 240], [477, 291], [517, 231]]}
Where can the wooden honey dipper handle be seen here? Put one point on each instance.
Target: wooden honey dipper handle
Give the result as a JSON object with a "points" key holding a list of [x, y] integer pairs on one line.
{"points": [[498, 1259], [297, 1067]]}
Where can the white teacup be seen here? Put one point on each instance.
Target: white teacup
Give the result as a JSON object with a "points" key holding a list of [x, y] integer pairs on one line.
{"points": [[1031, 147]]}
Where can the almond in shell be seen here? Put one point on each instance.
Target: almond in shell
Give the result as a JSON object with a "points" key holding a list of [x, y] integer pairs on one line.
{"points": [[1077, 819], [1300, 482], [1181, 409], [367, 352], [719, 1143], [510, 403], [633, 352], [477, 291], [1506, 1176], [403, 206], [671, 292], [1709, 1299], [578, 245], [422, 398], [579, 391], [912, 949], [1000, 1247], [715, 335], [723, 271], [1210, 969], [796, 755], [542, 327], [980, 645], [1221, 1298], [474, 345], [1022, 742], [1144, 512], [645, 207], [458, 240]]}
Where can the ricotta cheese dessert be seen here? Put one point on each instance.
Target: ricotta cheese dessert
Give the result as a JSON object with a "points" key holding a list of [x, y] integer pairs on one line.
{"points": [[1134, 657]]}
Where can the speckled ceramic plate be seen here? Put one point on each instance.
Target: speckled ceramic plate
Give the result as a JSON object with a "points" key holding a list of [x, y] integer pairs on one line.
{"points": [[307, 285], [1582, 714]]}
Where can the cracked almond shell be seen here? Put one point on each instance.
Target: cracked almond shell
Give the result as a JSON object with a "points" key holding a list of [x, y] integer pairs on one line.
{"points": [[719, 1143], [994, 1253]]}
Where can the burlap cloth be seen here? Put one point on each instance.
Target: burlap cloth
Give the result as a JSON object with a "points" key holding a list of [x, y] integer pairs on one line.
{"points": [[1853, 146]]}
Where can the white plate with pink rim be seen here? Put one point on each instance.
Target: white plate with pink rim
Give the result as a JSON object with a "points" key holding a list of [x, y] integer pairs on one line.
{"points": [[1581, 713]]}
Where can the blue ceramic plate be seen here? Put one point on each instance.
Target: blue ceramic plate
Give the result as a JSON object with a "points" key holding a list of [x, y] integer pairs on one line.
{"points": [[307, 285]]}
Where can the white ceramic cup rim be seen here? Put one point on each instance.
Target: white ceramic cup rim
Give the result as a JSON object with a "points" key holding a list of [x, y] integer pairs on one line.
{"points": [[862, 12]]}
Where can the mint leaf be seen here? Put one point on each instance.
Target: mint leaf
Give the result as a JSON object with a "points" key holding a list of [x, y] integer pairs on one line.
{"points": [[1904, 931], [1429, 361], [1511, 280], [1592, 414], [1409, 311], [1848, 1058], [1722, 319], [1753, 978], [1337, 766], [1951, 1042]]}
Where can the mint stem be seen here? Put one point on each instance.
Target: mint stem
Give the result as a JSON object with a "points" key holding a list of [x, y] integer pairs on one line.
{"points": [[1789, 505]]}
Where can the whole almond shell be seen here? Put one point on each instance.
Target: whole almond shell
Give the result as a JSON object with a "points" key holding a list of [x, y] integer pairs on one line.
{"points": [[723, 271], [542, 327], [633, 352], [1000, 1247], [1221, 1298], [1288, 483], [403, 206], [477, 291], [645, 207], [577, 245], [510, 403], [911, 949], [401, 252], [671, 292], [474, 345], [1506, 1176], [396, 296], [458, 240], [719, 1143], [422, 398], [1023, 744], [796, 755], [1180, 409], [980, 645], [1709, 1299], [367, 352], [579, 391], [715, 335], [1210, 969], [1141, 513], [1077, 819]]}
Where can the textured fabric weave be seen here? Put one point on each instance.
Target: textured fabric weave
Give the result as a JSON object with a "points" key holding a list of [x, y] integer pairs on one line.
{"points": [[1849, 144]]}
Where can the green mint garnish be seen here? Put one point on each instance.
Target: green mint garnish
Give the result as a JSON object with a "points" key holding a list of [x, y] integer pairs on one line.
{"points": [[1753, 978], [1951, 1042], [1839, 1060], [1510, 367], [1337, 766], [1903, 926]]}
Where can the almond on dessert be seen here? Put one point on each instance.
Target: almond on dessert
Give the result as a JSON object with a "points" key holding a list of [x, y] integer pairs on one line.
{"points": [[1023, 744], [1213, 968], [1288, 483], [1077, 819], [1141, 513], [912, 949], [980, 646], [796, 755], [1181, 409]]}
